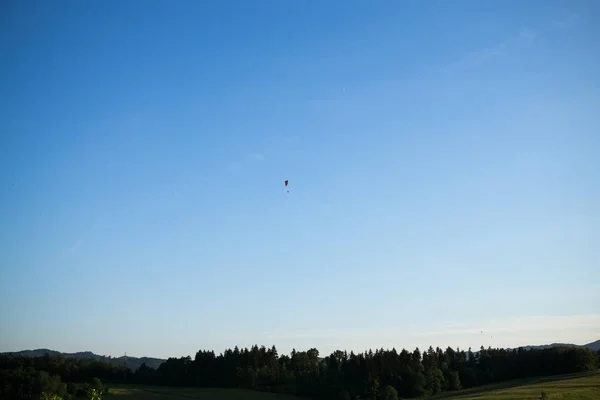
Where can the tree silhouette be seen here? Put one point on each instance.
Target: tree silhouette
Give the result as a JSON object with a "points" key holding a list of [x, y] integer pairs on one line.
{"points": [[379, 374]]}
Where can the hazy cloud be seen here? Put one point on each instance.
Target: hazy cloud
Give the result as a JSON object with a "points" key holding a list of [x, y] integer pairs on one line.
{"points": [[493, 52], [235, 166], [477, 58], [521, 325], [81, 240], [503, 332], [488, 54], [255, 157], [527, 34], [76, 245], [568, 21]]}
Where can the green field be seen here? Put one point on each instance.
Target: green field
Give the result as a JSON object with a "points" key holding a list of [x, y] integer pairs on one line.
{"points": [[169, 393], [571, 387]]}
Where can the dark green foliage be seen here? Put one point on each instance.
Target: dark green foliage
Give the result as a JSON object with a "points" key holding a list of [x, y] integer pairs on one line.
{"points": [[96, 384], [389, 393], [452, 381], [380, 374], [71, 388], [434, 381], [28, 377], [94, 394], [44, 382], [50, 396]]}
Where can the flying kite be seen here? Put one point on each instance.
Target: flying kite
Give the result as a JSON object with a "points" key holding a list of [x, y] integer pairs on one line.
{"points": [[286, 183]]}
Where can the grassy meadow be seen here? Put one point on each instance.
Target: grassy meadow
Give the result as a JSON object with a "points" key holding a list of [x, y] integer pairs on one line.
{"points": [[169, 393], [568, 387]]}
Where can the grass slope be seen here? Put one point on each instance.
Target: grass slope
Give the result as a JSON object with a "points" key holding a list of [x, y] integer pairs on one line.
{"points": [[564, 387], [169, 393]]}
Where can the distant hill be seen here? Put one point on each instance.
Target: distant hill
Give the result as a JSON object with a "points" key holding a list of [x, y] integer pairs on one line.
{"points": [[594, 346], [131, 362], [134, 362], [549, 346]]}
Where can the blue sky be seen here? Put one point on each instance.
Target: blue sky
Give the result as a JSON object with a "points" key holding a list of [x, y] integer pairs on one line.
{"points": [[442, 158]]}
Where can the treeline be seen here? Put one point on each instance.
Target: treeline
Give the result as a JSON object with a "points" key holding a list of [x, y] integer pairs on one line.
{"points": [[347, 375], [23, 377], [383, 374]]}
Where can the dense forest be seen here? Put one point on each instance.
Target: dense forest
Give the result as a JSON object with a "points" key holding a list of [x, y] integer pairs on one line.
{"points": [[380, 374]]}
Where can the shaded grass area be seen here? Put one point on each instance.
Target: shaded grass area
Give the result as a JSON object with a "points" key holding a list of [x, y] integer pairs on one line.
{"points": [[123, 392], [564, 387]]}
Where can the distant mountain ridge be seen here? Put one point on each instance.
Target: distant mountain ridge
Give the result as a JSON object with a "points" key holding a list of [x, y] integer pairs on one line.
{"points": [[130, 362], [594, 346], [134, 362]]}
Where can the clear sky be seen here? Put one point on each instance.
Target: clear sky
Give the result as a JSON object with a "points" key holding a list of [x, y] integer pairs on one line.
{"points": [[443, 160]]}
